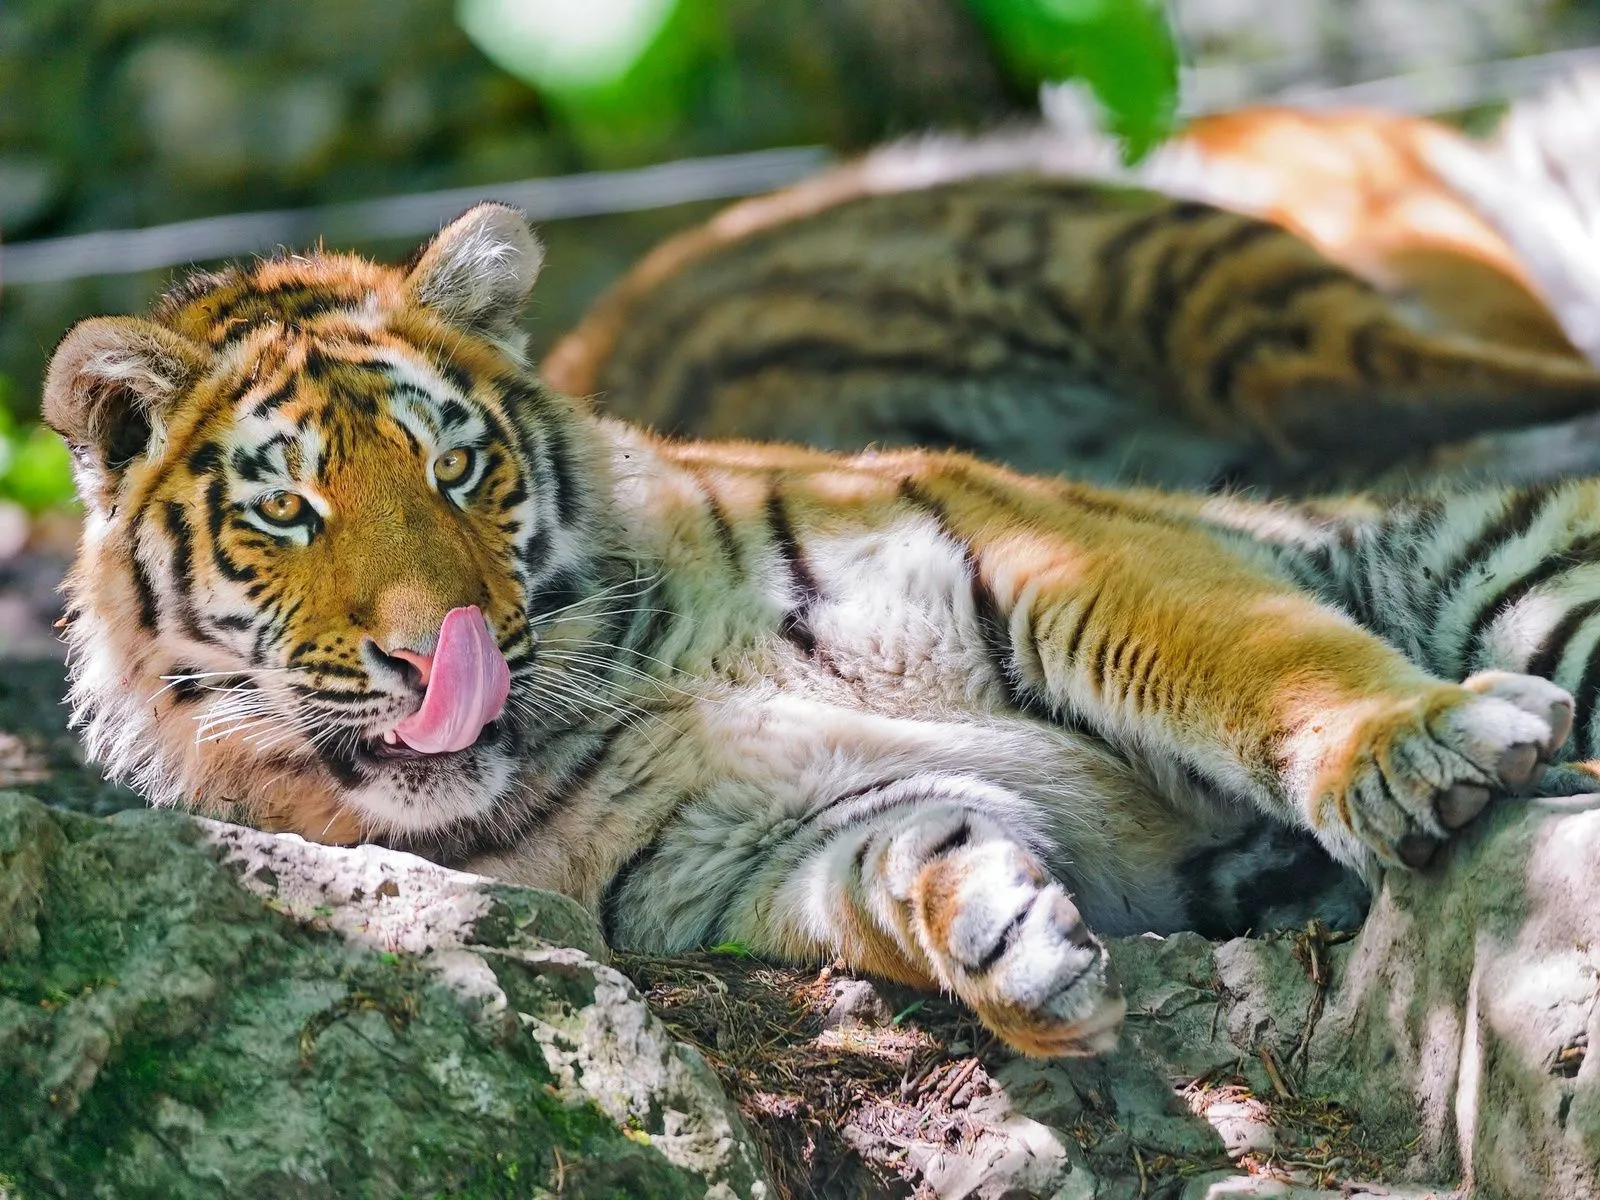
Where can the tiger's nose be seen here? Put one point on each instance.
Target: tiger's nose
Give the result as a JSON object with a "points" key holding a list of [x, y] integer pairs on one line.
{"points": [[406, 662], [422, 663]]}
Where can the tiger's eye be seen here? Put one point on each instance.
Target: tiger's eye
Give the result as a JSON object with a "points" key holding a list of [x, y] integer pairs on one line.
{"points": [[453, 465], [282, 508]]}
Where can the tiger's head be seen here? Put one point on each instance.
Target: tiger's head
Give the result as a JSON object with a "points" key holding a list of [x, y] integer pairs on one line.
{"points": [[330, 517]]}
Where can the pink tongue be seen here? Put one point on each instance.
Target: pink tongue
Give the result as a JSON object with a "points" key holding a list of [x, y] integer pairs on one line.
{"points": [[466, 689]]}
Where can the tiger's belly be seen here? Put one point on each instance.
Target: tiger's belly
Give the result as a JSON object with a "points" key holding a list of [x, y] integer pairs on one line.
{"points": [[1140, 843], [737, 794]]}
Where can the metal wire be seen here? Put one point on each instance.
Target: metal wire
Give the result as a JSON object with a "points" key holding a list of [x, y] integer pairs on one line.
{"points": [[125, 251]]}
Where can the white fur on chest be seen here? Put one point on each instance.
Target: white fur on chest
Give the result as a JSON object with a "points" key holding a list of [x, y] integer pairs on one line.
{"points": [[896, 614]]}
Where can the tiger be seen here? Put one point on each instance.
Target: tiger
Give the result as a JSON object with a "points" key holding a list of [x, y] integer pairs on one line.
{"points": [[1295, 301], [351, 570]]}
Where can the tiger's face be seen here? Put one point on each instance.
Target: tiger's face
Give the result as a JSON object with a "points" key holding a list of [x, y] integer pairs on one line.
{"points": [[329, 518]]}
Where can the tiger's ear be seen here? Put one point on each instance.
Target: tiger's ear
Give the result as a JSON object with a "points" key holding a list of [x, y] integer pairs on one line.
{"points": [[107, 391], [479, 272]]}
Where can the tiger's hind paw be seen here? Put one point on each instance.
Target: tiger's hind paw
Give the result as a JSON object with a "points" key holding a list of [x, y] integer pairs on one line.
{"points": [[1013, 945], [1424, 768]]}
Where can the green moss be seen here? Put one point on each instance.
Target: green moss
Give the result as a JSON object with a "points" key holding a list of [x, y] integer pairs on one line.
{"points": [[174, 1038]]}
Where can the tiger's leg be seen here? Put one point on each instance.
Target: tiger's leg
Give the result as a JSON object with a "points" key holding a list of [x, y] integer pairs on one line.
{"points": [[1187, 651], [1495, 579], [941, 892]]}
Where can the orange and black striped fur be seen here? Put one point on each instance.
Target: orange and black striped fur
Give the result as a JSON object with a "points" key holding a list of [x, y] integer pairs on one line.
{"points": [[1361, 325], [906, 708]]}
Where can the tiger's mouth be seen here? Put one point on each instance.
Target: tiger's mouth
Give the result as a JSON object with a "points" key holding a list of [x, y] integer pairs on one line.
{"points": [[387, 748]]}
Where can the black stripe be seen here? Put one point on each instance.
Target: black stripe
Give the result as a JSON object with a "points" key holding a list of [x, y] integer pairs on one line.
{"points": [[340, 763], [995, 630], [563, 474], [954, 840], [913, 494], [1585, 697], [184, 690], [205, 459], [993, 626], [1247, 346], [1071, 650], [455, 375], [1276, 294], [1144, 662], [216, 516], [658, 615], [1515, 519], [1242, 233], [722, 527], [274, 399], [1581, 551], [1174, 285], [795, 625], [1365, 342], [1097, 665], [1547, 658], [182, 567], [144, 590], [1007, 936], [561, 589], [1111, 259], [611, 899]]}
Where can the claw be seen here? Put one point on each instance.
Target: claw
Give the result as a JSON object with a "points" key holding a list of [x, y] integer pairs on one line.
{"points": [[1461, 803], [1517, 764], [1560, 726], [1417, 850]]}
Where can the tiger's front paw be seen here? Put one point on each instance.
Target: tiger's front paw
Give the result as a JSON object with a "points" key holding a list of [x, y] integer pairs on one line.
{"points": [[1419, 770], [1012, 945]]}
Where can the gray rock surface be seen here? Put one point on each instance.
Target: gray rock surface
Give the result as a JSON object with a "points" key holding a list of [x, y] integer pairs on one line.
{"points": [[1462, 1019], [190, 1009], [1441, 1051]]}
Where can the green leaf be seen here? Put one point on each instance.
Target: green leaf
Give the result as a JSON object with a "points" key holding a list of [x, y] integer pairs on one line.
{"points": [[619, 72], [914, 1007], [35, 468], [1123, 49]]}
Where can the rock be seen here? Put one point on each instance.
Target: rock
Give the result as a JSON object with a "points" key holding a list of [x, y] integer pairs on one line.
{"points": [[855, 1002], [1466, 1011], [189, 1009]]}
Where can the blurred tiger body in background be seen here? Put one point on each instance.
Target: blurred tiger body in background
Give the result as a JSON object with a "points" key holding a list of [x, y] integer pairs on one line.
{"points": [[1342, 317]]}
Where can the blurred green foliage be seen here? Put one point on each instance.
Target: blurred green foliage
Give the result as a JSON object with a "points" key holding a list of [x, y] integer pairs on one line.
{"points": [[1123, 49], [618, 71], [35, 469], [631, 70]]}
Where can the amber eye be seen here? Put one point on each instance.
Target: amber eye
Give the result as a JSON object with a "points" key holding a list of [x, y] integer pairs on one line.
{"points": [[453, 465], [282, 508]]}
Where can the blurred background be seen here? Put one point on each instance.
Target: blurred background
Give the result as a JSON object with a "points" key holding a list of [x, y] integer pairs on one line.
{"points": [[245, 126]]}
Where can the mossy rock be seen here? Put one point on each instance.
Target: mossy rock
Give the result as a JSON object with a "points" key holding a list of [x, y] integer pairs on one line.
{"points": [[168, 1031]]}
